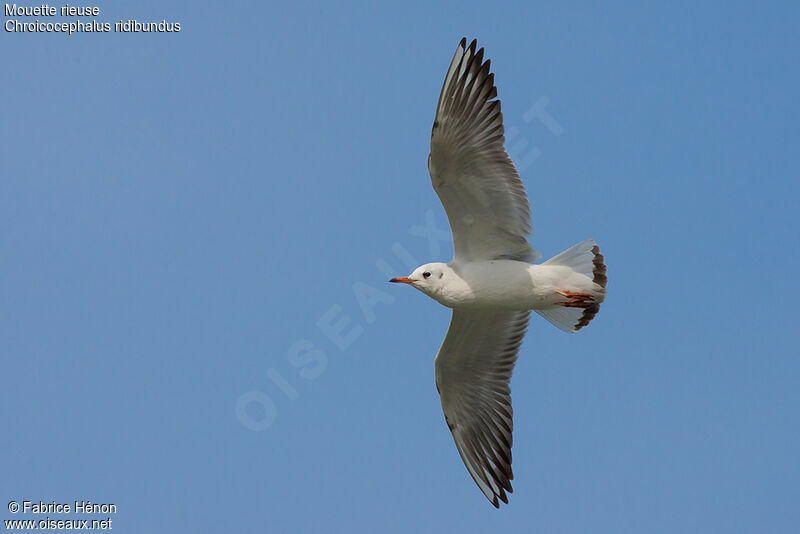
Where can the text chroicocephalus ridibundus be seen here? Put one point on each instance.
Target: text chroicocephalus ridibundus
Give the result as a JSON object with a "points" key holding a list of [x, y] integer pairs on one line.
{"points": [[491, 284]]}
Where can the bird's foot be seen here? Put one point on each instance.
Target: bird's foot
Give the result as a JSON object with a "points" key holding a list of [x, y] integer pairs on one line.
{"points": [[576, 300]]}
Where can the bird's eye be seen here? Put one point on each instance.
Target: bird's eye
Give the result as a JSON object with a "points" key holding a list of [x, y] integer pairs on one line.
{"points": [[426, 274]]}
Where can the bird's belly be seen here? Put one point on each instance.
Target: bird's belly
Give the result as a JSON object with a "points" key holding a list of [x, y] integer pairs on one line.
{"points": [[505, 284], [526, 297]]}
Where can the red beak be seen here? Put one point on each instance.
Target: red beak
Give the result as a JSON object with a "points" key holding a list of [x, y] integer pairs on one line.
{"points": [[402, 280]]}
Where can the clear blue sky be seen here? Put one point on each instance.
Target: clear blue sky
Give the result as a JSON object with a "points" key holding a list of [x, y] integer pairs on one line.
{"points": [[181, 215]]}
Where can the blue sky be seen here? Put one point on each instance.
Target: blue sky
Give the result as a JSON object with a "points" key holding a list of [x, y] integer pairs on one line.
{"points": [[195, 230]]}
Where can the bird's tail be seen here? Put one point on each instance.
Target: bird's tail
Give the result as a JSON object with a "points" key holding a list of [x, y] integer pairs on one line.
{"points": [[581, 303]]}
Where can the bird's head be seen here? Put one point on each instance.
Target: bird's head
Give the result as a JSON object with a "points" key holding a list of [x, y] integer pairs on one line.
{"points": [[428, 278]]}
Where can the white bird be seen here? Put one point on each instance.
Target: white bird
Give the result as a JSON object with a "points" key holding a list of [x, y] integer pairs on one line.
{"points": [[492, 283]]}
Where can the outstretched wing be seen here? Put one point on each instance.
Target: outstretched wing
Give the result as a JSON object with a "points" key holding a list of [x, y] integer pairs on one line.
{"points": [[470, 170], [473, 369]]}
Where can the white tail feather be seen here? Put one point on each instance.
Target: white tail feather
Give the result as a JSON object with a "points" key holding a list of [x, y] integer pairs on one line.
{"points": [[564, 318], [578, 257], [583, 258]]}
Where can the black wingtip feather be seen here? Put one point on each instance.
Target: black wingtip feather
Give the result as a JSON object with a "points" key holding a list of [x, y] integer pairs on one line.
{"points": [[479, 57]]}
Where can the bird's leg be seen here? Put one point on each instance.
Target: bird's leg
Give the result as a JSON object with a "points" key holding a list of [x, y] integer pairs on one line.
{"points": [[571, 295], [576, 300]]}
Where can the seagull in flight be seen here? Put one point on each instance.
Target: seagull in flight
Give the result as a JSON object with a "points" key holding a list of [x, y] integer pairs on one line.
{"points": [[492, 282]]}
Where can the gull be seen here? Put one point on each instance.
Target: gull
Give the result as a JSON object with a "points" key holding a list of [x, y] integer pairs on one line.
{"points": [[492, 282]]}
